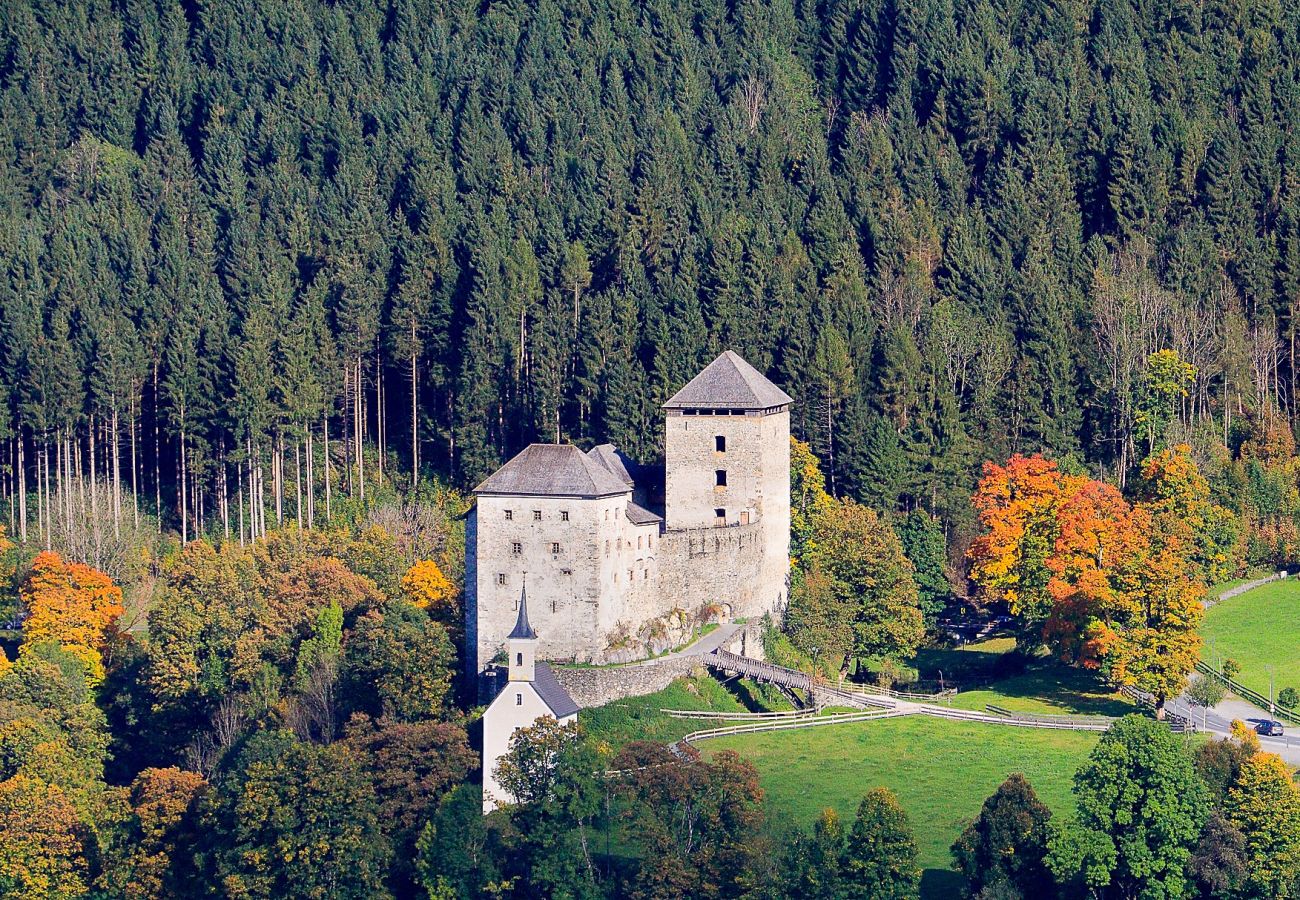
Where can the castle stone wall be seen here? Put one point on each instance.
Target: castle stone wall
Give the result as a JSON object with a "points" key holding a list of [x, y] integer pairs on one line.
{"points": [[715, 566], [565, 588]]}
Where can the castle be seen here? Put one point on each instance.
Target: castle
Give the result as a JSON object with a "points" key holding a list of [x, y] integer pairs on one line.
{"points": [[616, 555]]}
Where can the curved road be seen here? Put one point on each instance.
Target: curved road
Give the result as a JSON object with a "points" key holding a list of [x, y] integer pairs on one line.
{"points": [[1218, 720]]}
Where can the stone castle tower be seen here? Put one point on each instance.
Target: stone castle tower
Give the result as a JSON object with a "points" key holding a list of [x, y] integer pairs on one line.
{"points": [[614, 552]]}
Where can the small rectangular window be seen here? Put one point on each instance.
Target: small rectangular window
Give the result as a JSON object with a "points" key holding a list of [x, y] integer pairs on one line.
{"points": [[720, 476], [537, 515], [564, 515], [555, 548], [721, 516], [516, 548], [510, 515], [519, 699], [720, 443], [638, 542], [501, 578]]}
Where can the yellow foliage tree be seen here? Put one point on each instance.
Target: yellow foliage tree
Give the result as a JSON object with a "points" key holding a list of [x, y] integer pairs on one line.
{"points": [[43, 851], [1244, 735], [70, 604], [137, 863], [1265, 804], [426, 587]]}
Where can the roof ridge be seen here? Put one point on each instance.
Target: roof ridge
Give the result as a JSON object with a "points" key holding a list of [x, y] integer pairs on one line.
{"points": [[552, 470]]}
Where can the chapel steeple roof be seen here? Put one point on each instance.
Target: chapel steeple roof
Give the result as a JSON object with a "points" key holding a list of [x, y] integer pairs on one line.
{"points": [[523, 631]]}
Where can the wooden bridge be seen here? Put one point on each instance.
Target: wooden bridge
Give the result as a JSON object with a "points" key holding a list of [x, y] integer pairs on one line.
{"points": [[820, 693]]}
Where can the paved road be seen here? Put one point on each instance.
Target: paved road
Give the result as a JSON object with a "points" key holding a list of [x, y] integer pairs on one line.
{"points": [[1219, 721]]}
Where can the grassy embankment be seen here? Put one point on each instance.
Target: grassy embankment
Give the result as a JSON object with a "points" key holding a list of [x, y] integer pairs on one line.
{"points": [[641, 719], [1258, 628]]}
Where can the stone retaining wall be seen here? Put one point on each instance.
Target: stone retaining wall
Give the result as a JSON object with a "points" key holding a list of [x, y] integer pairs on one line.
{"points": [[597, 685]]}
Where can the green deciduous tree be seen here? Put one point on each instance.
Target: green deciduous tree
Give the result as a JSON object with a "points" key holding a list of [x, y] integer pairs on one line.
{"points": [[1002, 853], [1141, 810], [293, 818], [880, 852]]}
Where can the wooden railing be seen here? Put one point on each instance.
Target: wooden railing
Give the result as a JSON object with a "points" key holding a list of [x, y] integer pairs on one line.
{"points": [[1253, 696], [1243, 588], [809, 721]]}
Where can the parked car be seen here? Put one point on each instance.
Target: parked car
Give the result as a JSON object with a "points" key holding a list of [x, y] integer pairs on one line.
{"points": [[1269, 729]]}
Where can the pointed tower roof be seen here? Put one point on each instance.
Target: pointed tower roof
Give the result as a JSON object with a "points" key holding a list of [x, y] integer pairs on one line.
{"points": [[731, 382], [523, 631]]}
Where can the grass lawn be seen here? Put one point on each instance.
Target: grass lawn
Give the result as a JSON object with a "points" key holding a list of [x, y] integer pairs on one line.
{"points": [[1052, 689], [1258, 628], [969, 661], [1041, 686], [941, 771]]}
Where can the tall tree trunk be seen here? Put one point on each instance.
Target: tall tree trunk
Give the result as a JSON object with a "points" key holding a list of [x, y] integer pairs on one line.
{"points": [[117, 476], [22, 488], [61, 461], [311, 482], [349, 427], [157, 452], [94, 494], [360, 437], [185, 518], [241, 504], [43, 489], [329, 512], [297, 481], [379, 415], [252, 494], [415, 420], [277, 478], [225, 493], [135, 463]]}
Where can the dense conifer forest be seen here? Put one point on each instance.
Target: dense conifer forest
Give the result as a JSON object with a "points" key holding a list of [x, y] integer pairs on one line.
{"points": [[280, 281], [236, 234]]}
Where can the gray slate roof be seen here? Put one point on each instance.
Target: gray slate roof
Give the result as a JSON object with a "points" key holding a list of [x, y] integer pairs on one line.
{"points": [[609, 457], [552, 692], [552, 470], [639, 515], [729, 381]]}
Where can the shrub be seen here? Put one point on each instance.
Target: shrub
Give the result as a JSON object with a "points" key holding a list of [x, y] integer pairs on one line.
{"points": [[1289, 697]]}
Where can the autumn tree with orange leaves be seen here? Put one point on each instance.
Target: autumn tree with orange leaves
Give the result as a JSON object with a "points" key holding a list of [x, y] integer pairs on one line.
{"points": [[70, 604], [1104, 584]]}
